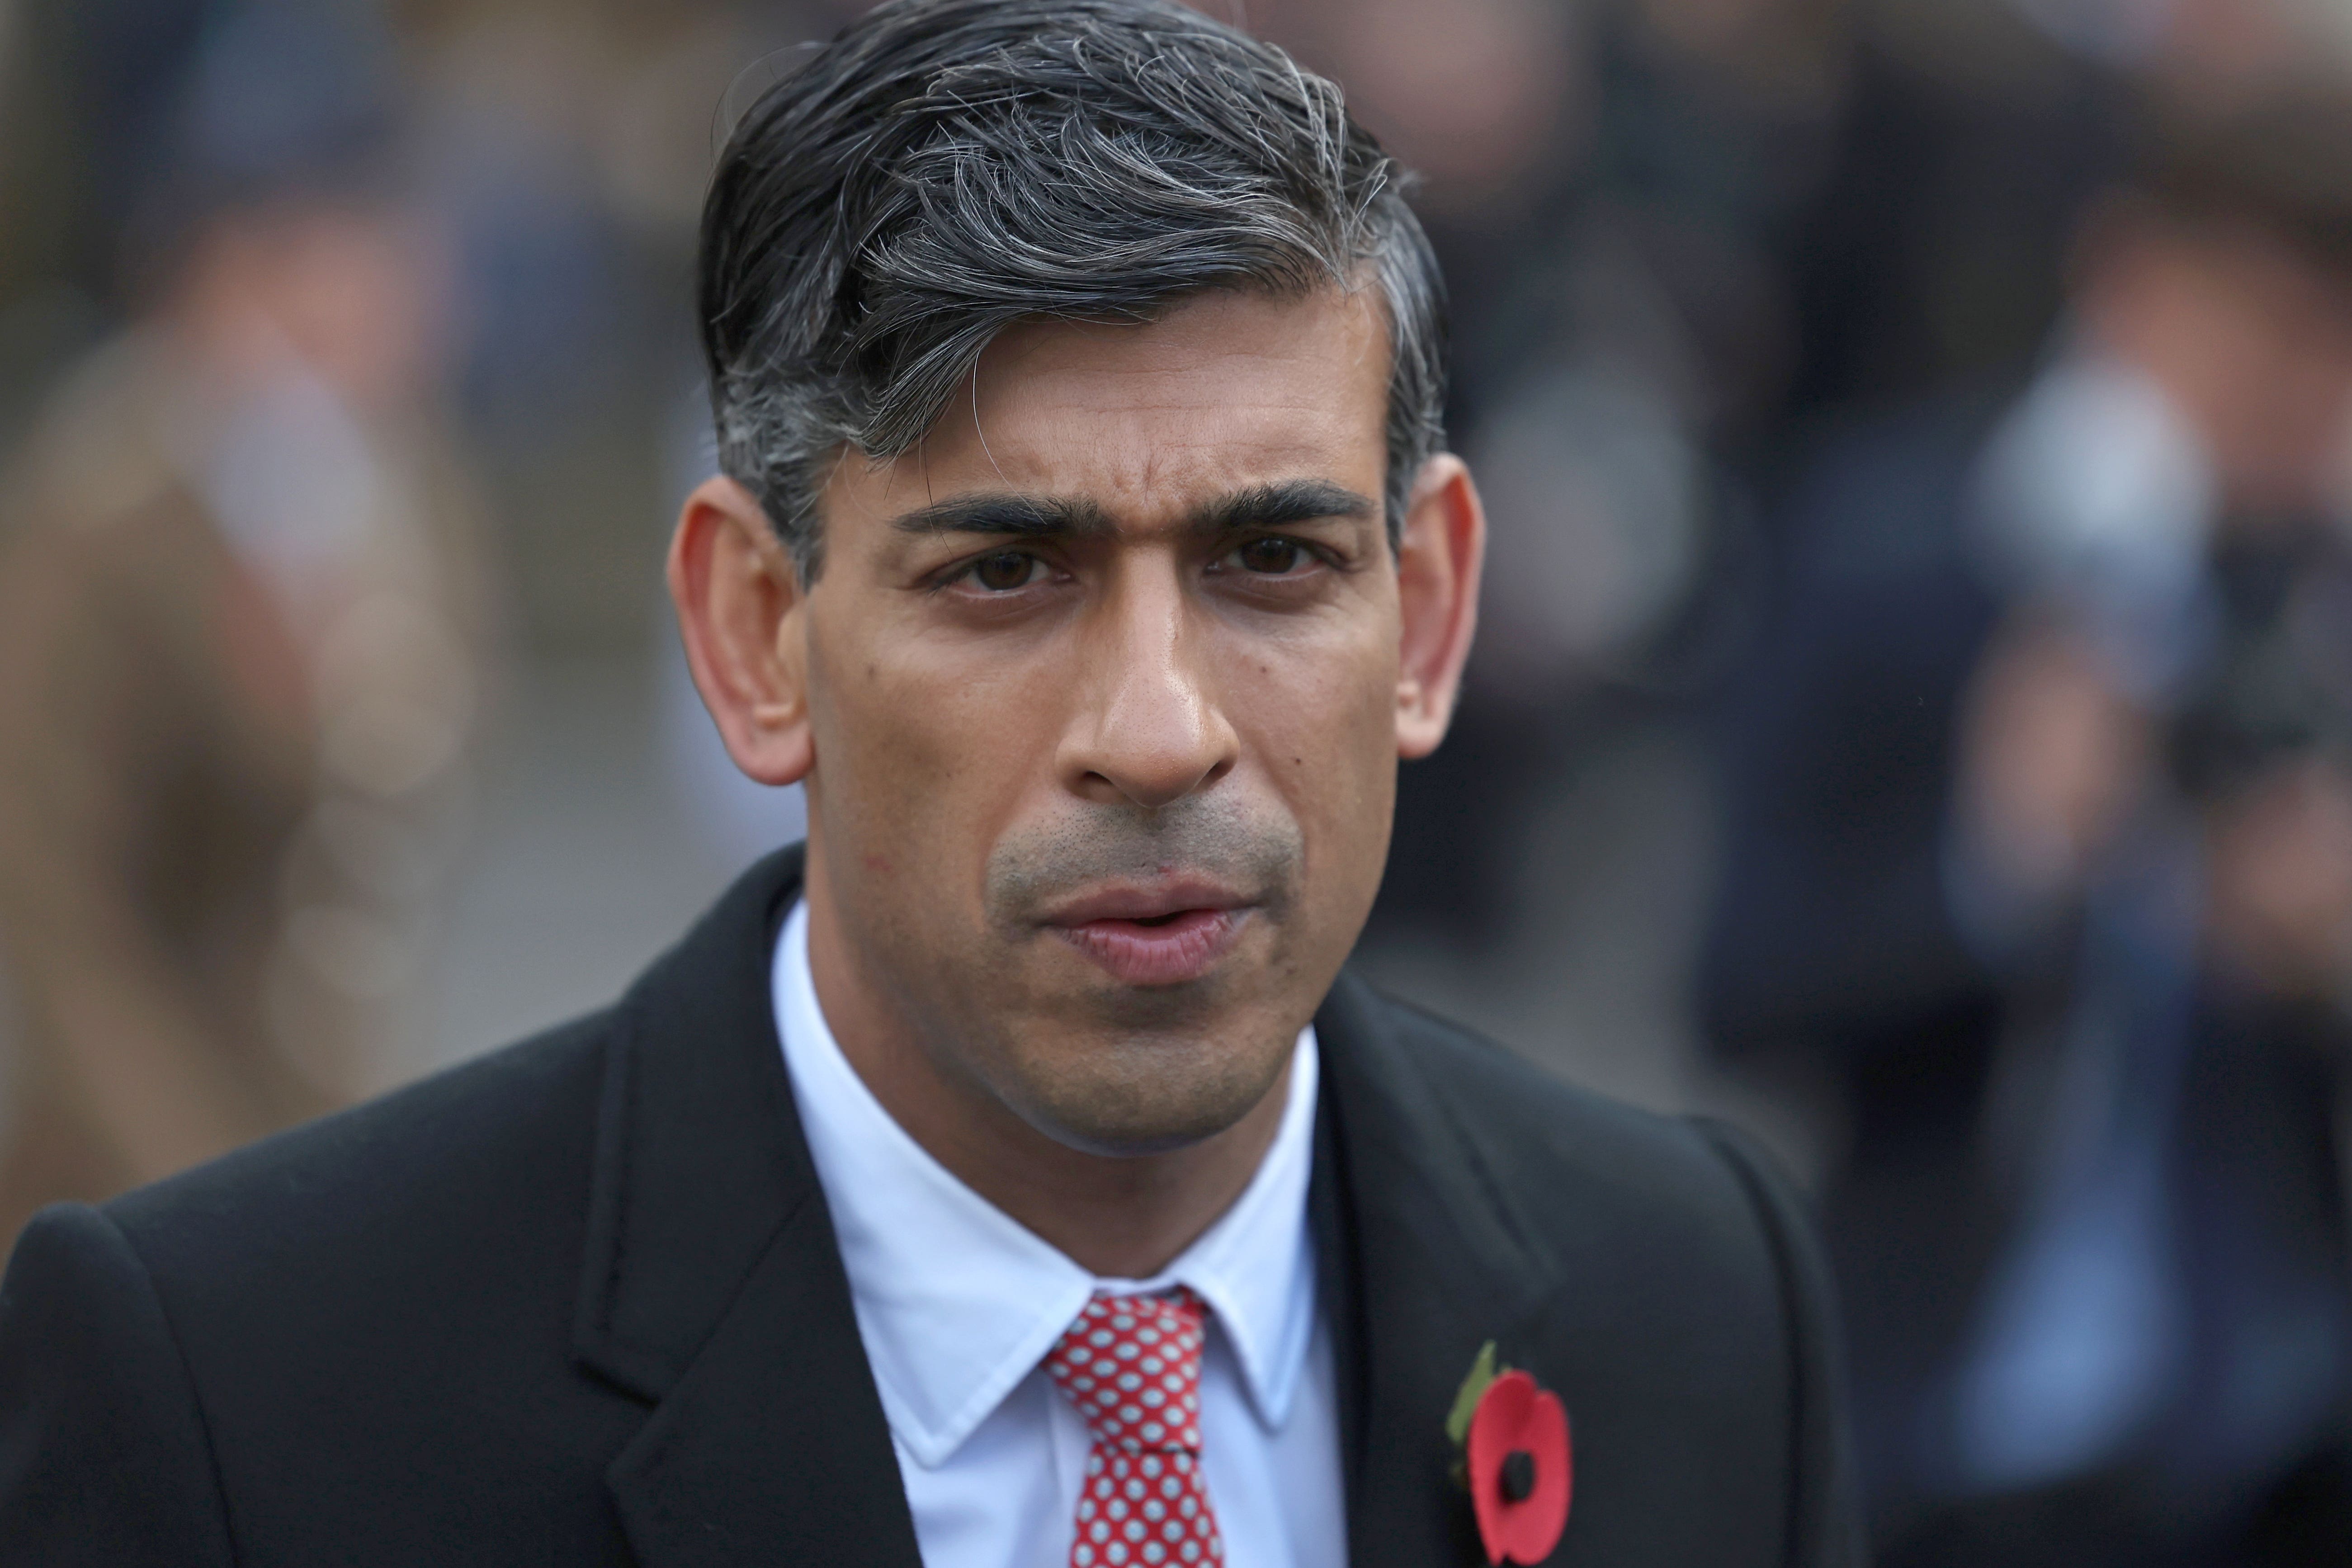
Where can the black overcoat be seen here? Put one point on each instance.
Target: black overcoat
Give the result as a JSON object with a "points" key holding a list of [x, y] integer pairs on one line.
{"points": [[579, 1302]]}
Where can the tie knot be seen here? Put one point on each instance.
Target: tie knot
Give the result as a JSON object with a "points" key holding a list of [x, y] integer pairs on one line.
{"points": [[1131, 1364]]}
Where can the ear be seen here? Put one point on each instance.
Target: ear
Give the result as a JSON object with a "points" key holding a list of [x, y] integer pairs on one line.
{"points": [[740, 608], [1439, 560]]}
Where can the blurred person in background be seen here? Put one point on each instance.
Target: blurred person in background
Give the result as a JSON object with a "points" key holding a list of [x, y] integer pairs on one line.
{"points": [[1682, 226], [2041, 849], [240, 623]]}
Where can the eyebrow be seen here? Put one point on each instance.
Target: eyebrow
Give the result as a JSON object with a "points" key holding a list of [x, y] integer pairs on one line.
{"points": [[1022, 516], [1273, 505], [1281, 503]]}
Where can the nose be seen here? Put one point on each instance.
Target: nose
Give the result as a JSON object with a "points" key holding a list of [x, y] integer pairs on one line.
{"points": [[1147, 729]]}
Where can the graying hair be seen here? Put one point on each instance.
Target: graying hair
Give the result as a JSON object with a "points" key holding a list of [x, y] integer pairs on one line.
{"points": [[945, 168]]}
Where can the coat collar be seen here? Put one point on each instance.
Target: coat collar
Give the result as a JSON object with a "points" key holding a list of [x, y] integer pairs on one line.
{"points": [[713, 1286]]}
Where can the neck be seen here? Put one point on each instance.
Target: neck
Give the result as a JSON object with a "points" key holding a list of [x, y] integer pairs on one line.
{"points": [[1116, 1217]]}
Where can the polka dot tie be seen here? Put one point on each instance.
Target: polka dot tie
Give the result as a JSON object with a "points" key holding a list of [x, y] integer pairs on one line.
{"points": [[1131, 1364]]}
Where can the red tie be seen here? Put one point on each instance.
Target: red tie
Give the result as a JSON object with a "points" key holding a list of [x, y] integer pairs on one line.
{"points": [[1131, 1364]]}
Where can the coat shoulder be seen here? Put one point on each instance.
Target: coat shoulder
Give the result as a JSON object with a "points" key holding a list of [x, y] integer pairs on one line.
{"points": [[420, 1174], [361, 1329], [1535, 1131], [1690, 1307]]}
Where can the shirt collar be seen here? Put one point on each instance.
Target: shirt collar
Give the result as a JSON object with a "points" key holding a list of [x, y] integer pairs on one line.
{"points": [[957, 1302]]}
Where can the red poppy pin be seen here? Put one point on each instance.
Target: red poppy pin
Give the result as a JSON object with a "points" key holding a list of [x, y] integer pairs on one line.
{"points": [[1515, 1461]]}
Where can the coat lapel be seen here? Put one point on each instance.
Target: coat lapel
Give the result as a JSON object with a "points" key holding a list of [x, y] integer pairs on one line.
{"points": [[713, 1286], [1423, 1260]]}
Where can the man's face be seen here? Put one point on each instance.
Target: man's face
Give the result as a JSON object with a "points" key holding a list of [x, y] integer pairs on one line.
{"points": [[2251, 337], [1102, 685]]}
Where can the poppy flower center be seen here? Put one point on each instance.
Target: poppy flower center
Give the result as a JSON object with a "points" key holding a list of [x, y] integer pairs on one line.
{"points": [[1518, 1476]]}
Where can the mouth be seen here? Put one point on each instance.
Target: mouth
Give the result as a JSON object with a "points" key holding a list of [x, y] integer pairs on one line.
{"points": [[1163, 936]]}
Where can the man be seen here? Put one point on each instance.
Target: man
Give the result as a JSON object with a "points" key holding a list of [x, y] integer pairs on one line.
{"points": [[2042, 849], [1087, 548], [240, 618]]}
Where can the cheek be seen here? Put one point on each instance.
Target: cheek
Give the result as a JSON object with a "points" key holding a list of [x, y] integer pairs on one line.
{"points": [[1323, 718], [919, 748]]}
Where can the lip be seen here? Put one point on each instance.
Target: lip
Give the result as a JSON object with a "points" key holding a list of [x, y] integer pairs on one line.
{"points": [[1191, 925]]}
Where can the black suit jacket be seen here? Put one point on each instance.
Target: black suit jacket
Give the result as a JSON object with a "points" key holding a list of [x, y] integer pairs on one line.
{"points": [[580, 1302]]}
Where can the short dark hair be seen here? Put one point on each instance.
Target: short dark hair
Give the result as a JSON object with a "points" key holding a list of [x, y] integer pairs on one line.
{"points": [[2282, 161], [945, 168]]}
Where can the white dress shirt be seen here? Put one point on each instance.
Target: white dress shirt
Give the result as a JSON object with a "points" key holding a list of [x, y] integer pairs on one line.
{"points": [[958, 1304]]}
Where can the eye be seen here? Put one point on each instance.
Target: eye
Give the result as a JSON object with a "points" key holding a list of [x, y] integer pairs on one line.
{"points": [[1270, 557], [1003, 571]]}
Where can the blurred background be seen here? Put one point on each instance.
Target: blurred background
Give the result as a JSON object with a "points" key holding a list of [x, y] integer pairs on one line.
{"points": [[1913, 715]]}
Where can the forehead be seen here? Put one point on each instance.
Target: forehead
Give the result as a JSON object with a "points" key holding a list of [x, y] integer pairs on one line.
{"points": [[1220, 391]]}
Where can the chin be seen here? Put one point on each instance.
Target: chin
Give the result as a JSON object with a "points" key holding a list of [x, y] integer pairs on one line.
{"points": [[1126, 1095]]}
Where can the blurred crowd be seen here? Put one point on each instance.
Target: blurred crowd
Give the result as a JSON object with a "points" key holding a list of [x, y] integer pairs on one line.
{"points": [[1917, 436]]}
